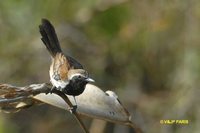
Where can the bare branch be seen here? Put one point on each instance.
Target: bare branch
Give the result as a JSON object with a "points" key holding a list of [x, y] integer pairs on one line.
{"points": [[93, 102]]}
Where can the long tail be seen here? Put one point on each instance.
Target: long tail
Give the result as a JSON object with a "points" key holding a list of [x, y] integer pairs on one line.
{"points": [[49, 37]]}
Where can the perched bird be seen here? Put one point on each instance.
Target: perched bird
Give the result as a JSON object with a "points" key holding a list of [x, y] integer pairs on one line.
{"points": [[66, 74]]}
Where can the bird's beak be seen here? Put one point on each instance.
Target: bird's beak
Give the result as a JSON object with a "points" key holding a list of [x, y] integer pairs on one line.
{"points": [[89, 80]]}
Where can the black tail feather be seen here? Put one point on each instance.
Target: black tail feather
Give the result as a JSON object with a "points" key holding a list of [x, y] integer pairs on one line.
{"points": [[49, 37]]}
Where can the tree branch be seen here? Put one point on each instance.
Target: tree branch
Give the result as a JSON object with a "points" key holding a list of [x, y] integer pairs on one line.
{"points": [[93, 102]]}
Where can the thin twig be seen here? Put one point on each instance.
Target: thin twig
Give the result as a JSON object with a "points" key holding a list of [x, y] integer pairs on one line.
{"points": [[66, 99], [11, 100]]}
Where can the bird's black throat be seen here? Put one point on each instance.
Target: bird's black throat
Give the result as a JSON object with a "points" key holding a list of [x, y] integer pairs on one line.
{"points": [[76, 86]]}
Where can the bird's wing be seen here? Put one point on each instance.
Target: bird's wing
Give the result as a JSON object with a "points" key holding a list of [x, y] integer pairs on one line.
{"points": [[60, 67], [74, 63], [62, 64]]}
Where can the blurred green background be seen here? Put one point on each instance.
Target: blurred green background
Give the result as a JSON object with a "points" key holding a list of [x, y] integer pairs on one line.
{"points": [[146, 51]]}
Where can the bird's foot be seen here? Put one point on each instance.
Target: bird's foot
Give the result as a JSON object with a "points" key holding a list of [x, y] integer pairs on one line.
{"points": [[73, 109], [60, 89], [51, 90]]}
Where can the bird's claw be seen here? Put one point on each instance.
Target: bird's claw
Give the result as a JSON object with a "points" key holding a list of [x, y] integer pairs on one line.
{"points": [[73, 109]]}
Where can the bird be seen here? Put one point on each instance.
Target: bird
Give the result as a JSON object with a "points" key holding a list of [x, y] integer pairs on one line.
{"points": [[66, 74]]}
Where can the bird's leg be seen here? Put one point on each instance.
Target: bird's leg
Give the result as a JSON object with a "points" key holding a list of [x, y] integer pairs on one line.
{"points": [[60, 89], [51, 90], [74, 107], [55, 88], [75, 102]]}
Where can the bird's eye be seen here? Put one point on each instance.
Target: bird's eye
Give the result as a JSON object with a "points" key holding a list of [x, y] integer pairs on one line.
{"points": [[79, 76]]}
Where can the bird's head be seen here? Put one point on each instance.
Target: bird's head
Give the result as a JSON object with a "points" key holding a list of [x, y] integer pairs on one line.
{"points": [[79, 75]]}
